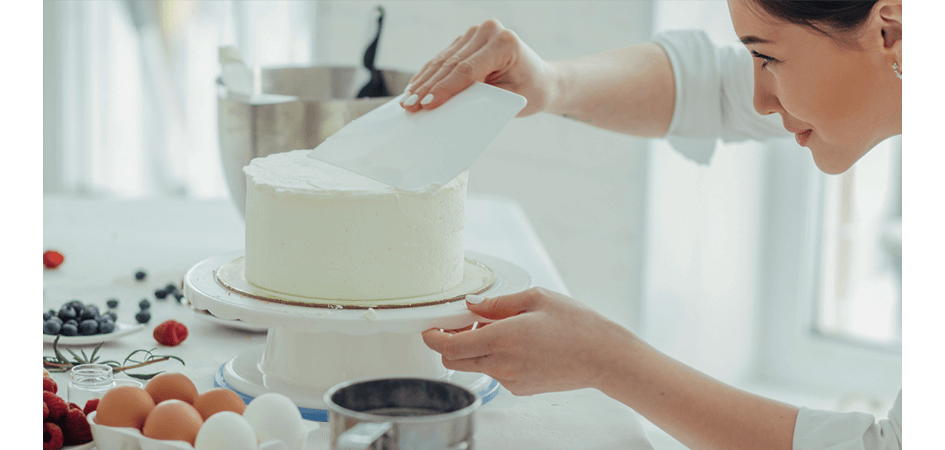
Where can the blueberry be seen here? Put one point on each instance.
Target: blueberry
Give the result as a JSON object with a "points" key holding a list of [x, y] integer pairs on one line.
{"points": [[89, 312], [140, 275], [48, 315], [88, 327], [66, 313], [72, 322], [75, 304], [112, 303], [170, 288], [57, 319], [110, 315], [160, 294], [144, 304], [51, 327], [143, 316], [69, 330], [106, 326], [178, 296]]}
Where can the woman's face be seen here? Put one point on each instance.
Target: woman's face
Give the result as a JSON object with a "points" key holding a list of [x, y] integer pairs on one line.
{"points": [[839, 100]]}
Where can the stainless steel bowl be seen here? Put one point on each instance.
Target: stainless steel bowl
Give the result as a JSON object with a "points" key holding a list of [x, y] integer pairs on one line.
{"points": [[295, 108]]}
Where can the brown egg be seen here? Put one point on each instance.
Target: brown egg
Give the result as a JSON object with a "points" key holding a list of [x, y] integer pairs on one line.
{"points": [[124, 406], [173, 420], [218, 399], [171, 385]]}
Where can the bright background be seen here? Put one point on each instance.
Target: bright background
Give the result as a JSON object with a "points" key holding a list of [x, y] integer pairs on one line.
{"points": [[756, 269]]}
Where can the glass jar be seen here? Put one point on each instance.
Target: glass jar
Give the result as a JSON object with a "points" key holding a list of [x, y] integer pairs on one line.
{"points": [[93, 381]]}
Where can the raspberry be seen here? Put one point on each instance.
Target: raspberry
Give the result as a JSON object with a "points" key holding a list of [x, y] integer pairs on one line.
{"points": [[90, 406], [45, 412], [74, 406], [170, 333], [52, 436], [49, 385], [52, 259], [75, 428], [57, 406]]}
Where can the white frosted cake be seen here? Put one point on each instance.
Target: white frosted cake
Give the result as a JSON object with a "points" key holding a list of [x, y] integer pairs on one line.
{"points": [[318, 231]]}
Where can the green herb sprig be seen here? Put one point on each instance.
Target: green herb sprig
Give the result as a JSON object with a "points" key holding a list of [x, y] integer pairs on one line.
{"points": [[138, 358]]}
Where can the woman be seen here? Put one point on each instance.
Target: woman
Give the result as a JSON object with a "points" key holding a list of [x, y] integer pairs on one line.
{"points": [[828, 72]]}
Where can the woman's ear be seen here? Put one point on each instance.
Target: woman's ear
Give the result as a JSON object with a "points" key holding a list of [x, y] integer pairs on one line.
{"points": [[888, 14]]}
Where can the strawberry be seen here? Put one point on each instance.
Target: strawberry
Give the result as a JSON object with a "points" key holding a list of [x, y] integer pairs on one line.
{"points": [[90, 406], [170, 333], [49, 385], [52, 259], [57, 406], [52, 436], [75, 428]]}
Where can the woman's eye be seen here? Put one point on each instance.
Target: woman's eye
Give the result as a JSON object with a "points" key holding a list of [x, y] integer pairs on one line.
{"points": [[765, 60]]}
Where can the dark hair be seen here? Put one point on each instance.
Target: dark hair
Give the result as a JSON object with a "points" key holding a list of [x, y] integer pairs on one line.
{"points": [[837, 16]]}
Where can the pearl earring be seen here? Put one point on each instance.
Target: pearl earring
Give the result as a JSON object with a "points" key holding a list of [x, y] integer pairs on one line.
{"points": [[895, 68]]}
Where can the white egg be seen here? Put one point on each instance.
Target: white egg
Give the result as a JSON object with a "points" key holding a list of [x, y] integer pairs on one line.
{"points": [[274, 416], [226, 429]]}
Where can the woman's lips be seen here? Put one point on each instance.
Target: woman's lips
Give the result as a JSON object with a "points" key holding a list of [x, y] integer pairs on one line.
{"points": [[800, 135]]}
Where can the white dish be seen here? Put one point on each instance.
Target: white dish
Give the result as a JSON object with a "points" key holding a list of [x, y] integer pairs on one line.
{"points": [[119, 438], [85, 446], [121, 330]]}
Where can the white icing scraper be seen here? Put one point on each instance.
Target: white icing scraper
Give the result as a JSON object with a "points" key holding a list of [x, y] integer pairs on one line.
{"points": [[411, 151]]}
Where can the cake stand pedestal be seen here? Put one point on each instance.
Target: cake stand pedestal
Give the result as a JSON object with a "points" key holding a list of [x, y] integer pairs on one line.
{"points": [[309, 349]]}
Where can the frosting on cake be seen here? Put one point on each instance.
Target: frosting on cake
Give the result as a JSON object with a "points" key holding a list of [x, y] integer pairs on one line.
{"points": [[316, 230]]}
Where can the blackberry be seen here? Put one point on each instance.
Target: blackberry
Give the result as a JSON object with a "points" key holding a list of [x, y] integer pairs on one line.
{"points": [[144, 304], [112, 303], [140, 275]]}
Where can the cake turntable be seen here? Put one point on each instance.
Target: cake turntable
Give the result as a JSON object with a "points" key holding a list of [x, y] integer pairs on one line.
{"points": [[313, 347]]}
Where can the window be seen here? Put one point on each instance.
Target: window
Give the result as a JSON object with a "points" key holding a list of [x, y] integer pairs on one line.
{"points": [[860, 295]]}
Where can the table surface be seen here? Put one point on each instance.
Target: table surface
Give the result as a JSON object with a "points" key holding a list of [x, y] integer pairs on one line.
{"points": [[105, 241]]}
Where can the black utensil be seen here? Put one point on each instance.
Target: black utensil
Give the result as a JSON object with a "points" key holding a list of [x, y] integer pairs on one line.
{"points": [[375, 87]]}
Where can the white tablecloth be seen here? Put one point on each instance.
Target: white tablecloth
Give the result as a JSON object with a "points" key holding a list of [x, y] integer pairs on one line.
{"points": [[106, 241]]}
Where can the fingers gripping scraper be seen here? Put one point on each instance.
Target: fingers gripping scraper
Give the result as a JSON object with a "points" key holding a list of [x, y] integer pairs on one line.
{"points": [[410, 151]]}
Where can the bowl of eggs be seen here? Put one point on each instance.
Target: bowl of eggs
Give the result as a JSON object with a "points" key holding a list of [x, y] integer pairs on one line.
{"points": [[169, 413]]}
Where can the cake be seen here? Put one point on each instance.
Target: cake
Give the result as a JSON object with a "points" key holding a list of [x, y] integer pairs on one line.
{"points": [[314, 230]]}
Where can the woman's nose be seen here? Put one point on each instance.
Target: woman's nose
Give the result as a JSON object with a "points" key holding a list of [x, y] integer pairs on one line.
{"points": [[765, 100]]}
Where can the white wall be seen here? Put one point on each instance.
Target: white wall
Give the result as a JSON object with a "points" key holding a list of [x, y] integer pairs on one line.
{"points": [[583, 188]]}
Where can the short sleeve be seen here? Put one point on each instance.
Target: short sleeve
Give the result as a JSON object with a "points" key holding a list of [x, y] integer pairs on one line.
{"points": [[714, 89], [829, 430]]}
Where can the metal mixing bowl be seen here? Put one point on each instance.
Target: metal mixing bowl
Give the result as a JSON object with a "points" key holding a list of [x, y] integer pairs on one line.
{"points": [[296, 108]]}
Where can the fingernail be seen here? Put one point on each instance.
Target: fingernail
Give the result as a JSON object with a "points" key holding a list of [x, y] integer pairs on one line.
{"points": [[407, 89], [475, 299], [411, 100], [426, 100]]}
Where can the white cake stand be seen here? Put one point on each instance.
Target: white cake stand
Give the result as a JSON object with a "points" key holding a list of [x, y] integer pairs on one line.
{"points": [[309, 349]]}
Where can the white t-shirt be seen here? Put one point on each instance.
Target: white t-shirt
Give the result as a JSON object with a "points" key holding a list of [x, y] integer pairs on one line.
{"points": [[714, 90]]}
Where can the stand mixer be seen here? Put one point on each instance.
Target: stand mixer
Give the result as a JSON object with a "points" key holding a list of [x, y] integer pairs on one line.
{"points": [[311, 348]]}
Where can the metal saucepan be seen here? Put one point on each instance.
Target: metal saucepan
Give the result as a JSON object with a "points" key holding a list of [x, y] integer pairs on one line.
{"points": [[401, 413]]}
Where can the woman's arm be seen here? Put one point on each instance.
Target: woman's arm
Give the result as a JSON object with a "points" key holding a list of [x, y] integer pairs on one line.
{"points": [[699, 411], [543, 341], [628, 90]]}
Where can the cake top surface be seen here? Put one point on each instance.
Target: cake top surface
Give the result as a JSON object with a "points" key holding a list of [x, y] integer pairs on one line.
{"points": [[295, 171]]}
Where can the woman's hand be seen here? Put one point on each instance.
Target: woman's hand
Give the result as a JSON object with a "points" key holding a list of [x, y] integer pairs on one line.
{"points": [[541, 341], [488, 53]]}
